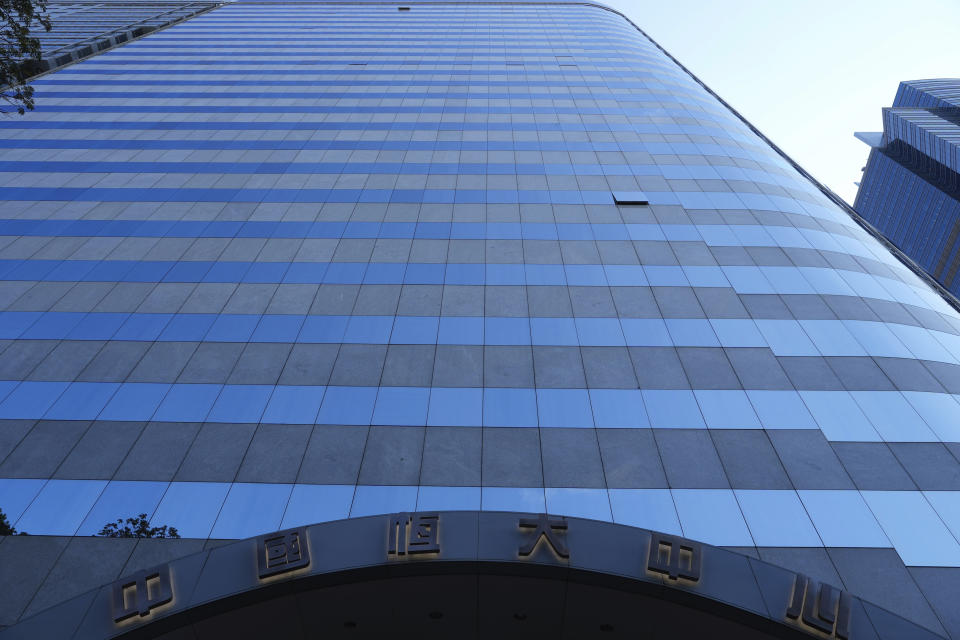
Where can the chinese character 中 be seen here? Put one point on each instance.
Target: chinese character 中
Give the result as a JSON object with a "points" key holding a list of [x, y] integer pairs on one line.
{"points": [[675, 557], [141, 592]]}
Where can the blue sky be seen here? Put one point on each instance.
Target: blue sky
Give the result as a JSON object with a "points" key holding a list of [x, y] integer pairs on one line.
{"points": [[809, 73]]}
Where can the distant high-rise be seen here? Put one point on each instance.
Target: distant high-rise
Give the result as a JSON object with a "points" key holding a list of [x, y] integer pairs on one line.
{"points": [[910, 189], [354, 294]]}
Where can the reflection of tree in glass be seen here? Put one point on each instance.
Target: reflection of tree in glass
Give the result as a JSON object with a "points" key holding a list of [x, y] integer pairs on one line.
{"points": [[6, 529], [138, 527], [19, 51]]}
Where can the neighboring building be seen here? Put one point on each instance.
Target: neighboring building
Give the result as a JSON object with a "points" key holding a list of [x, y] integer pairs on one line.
{"points": [[910, 189], [284, 264]]}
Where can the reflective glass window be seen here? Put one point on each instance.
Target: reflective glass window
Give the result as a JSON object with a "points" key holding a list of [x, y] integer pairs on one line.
{"points": [[251, 509], [312, 503], [712, 516], [191, 507]]}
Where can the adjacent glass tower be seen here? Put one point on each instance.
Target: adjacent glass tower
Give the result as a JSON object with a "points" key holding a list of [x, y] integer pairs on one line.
{"points": [[288, 263], [911, 185]]}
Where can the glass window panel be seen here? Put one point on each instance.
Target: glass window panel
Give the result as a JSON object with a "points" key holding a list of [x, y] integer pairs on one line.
{"points": [[448, 499], [507, 331], [191, 507], [939, 411], [579, 503], [599, 332], [456, 407], [232, 328], [188, 402], [294, 405], [60, 507], [143, 326], [777, 519], [645, 508], [564, 408], [373, 500], [323, 329], [916, 531], [312, 503], [457, 330], [240, 403], [688, 332], [839, 417], [82, 401], [347, 405], [947, 506], [554, 331], [414, 330], [509, 408], [625, 275], [30, 400], [645, 332], [786, 338], [712, 516], [278, 328], [665, 276], [188, 327], [727, 409], [747, 280], [831, 338], [16, 494], [893, 417], [877, 339], [672, 408], [705, 276], [369, 329], [135, 401], [735, 332], [121, 500], [585, 275], [524, 500], [251, 509], [401, 406], [781, 409], [616, 408], [843, 519]]}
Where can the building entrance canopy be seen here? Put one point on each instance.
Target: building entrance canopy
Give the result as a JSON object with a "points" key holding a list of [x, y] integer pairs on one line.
{"points": [[463, 575]]}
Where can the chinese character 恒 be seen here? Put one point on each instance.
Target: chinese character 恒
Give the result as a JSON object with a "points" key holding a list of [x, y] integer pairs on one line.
{"points": [[413, 533]]}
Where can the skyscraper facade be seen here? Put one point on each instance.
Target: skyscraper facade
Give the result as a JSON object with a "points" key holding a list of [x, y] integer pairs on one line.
{"points": [[910, 189], [424, 273]]}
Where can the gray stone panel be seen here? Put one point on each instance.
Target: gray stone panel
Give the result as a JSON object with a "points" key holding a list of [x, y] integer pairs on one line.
{"points": [[86, 563], [159, 451], [275, 453], [25, 562], [43, 449], [878, 575], [101, 450], [333, 455], [808, 459], [451, 457], [571, 458], [690, 460], [749, 459], [511, 457], [392, 456]]}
